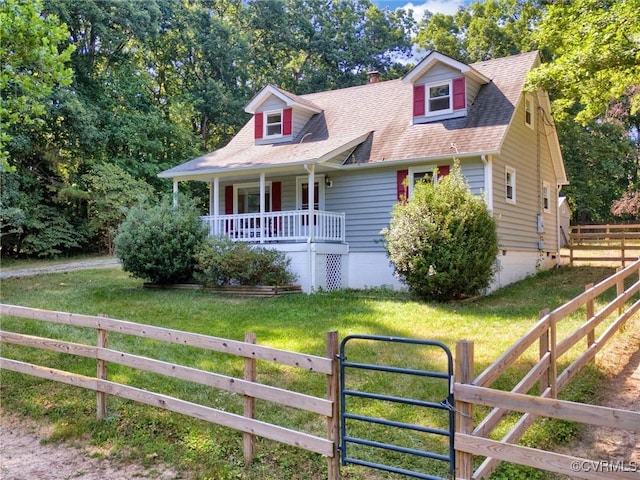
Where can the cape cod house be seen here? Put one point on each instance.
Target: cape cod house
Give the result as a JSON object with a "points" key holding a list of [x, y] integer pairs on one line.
{"points": [[358, 146]]}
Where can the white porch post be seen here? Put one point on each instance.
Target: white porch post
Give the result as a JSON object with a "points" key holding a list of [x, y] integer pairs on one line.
{"points": [[214, 204], [175, 193], [312, 200], [262, 207]]}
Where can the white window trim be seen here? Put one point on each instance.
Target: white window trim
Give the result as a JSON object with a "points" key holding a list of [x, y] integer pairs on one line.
{"points": [[320, 181], [415, 170], [546, 193], [238, 186], [265, 126], [528, 100], [512, 171], [427, 110]]}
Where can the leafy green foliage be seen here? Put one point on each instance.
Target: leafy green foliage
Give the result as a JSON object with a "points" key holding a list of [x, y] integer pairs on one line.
{"points": [[595, 56], [224, 262], [32, 64], [110, 191], [158, 242], [442, 242]]}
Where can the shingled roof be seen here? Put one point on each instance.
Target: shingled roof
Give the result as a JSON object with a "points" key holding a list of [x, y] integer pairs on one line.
{"points": [[377, 118]]}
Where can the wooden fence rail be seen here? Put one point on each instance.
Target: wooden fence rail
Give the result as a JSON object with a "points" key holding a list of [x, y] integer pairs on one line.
{"points": [[618, 243], [248, 387], [469, 442]]}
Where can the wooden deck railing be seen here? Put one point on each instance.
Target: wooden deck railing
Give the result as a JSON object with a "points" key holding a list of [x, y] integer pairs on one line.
{"points": [[248, 386], [285, 226], [473, 440], [616, 243]]}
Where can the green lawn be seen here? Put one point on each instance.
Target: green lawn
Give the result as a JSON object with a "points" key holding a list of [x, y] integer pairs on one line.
{"points": [[296, 323]]}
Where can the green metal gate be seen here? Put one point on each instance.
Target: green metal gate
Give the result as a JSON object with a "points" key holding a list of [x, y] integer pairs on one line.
{"points": [[348, 417]]}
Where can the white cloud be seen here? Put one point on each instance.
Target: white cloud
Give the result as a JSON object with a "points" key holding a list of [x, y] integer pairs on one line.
{"points": [[448, 7]]}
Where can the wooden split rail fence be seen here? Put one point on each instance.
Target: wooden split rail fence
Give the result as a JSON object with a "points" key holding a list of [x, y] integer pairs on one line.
{"points": [[248, 386], [604, 243], [474, 440]]}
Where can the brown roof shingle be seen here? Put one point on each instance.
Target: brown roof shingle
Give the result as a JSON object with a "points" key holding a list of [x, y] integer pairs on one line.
{"points": [[385, 109]]}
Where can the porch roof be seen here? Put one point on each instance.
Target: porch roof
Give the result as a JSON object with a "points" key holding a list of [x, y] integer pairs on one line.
{"points": [[377, 118]]}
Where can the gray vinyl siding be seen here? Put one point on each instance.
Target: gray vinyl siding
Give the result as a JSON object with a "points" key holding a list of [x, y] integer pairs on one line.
{"points": [[366, 196], [517, 223], [437, 73]]}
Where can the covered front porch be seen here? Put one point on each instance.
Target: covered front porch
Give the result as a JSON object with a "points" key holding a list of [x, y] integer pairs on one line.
{"points": [[288, 226]]}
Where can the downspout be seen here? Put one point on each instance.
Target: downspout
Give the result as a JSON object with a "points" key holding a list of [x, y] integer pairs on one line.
{"points": [[487, 160]]}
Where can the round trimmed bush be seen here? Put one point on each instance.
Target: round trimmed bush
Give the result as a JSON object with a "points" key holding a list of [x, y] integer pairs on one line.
{"points": [[443, 242], [158, 243]]}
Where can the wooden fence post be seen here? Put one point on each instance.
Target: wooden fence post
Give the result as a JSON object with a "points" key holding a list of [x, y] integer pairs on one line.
{"points": [[334, 397], [553, 343], [249, 403], [545, 378], [102, 374], [464, 411], [591, 336]]}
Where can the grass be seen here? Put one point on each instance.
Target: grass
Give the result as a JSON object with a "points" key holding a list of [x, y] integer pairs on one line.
{"points": [[299, 323]]}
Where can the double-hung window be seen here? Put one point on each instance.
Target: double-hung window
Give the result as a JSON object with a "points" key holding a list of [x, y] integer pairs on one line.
{"points": [[439, 98], [546, 196], [273, 124], [528, 111], [510, 184]]}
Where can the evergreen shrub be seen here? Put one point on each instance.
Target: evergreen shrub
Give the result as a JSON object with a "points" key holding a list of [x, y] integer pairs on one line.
{"points": [[158, 242], [222, 261], [442, 242]]}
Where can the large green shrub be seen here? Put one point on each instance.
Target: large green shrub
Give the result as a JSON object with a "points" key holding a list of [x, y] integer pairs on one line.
{"points": [[158, 242], [443, 241], [222, 261]]}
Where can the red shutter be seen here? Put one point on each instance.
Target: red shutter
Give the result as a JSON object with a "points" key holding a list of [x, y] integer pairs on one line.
{"points": [[418, 100], [276, 196], [276, 203], [258, 120], [228, 200], [443, 171], [287, 117], [459, 97], [402, 187]]}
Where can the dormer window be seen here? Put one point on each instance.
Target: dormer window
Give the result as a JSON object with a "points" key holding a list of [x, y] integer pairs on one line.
{"points": [[442, 99], [438, 98], [273, 124]]}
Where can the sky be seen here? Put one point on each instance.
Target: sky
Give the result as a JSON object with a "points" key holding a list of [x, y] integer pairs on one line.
{"points": [[448, 7]]}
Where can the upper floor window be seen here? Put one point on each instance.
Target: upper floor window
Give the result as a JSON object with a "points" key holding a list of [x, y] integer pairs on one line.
{"points": [[273, 124], [546, 196], [438, 97], [528, 110], [510, 184]]}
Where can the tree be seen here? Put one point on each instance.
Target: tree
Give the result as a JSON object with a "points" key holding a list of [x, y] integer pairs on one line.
{"points": [[34, 57], [443, 241], [595, 59], [110, 192], [484, 30]]}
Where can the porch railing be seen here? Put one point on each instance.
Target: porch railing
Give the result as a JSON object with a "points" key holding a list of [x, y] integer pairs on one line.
{"points": [[279, 226]]}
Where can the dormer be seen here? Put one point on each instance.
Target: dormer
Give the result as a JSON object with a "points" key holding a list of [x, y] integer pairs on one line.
{"points": [[443, 88], [278, 115]]}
